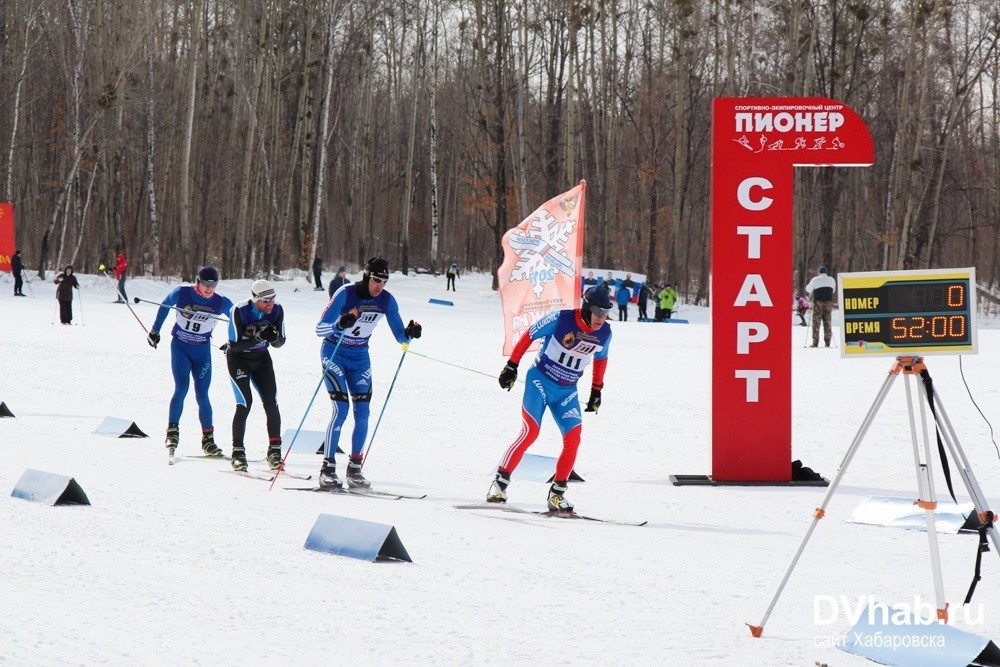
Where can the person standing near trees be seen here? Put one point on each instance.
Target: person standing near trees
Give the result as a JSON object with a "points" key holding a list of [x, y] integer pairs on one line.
{"points": [[668, 298], [318, 273], [120, 266], [642, 300], [346, 325], [339, 280], [822, 287], [254, 326], [197, 308], [66, 282], [452, 274], [801, 306], [622, 297], [16, 266]]}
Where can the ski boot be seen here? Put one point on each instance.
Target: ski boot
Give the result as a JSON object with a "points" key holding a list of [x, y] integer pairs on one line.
{"points": [[498, 489], [173, 438], [328, 479], [239, 459], [208, 445], [274, 454], [557, 499], [355, 480]]}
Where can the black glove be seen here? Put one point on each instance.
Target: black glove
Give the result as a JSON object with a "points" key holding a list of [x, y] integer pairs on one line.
{"points": [[508, 376], [413, 329], [347, 319], [224, 347], [268, 334], [594, 402], [153, 339]]}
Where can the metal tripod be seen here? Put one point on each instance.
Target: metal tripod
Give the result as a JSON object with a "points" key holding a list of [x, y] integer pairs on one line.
{"points": [[907, 366]]}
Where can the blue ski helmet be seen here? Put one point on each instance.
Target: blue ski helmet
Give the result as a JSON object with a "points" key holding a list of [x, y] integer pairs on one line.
{"points": [[598, 301], [208, 276]]}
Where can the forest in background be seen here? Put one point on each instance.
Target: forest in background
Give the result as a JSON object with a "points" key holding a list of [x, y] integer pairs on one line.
{"points": [[256, 134]]}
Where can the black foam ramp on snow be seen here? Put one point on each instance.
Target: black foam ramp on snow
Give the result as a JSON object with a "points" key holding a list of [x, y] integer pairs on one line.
{"points": [[116, 427], [49, 488]]}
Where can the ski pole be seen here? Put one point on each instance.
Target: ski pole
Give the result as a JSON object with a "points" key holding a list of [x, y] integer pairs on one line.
{"points": [[30, 291], [326, 368], [54, 311], [186, 312], [83, 322], [464, 368], [406, 348], [127, 304]]}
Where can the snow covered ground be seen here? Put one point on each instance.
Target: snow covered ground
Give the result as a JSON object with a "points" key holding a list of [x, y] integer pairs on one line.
{"points": [[186, 564]]}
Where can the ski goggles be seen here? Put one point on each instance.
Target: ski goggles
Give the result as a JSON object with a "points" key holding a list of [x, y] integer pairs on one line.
{"points": [[601, 312]]}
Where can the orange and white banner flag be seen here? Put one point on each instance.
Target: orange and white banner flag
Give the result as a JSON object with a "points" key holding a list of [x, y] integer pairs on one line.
{"points": [[542, 263]]}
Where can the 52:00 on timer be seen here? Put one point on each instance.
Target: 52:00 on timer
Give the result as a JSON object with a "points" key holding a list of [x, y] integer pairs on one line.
{"points": [[938, 327]]}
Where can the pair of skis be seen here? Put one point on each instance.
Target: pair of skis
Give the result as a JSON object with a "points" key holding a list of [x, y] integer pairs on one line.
{"points": [[503, 507], [171, 458], [266, 476], [371, 493], [270, 475]]}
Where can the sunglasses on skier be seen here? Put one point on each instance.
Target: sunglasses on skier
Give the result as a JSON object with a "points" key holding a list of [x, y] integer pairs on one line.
{"points": [[379, 281], [600, 312]]}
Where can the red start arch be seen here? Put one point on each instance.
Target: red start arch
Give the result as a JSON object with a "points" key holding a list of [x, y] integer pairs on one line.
{"points": [[756, 145]]}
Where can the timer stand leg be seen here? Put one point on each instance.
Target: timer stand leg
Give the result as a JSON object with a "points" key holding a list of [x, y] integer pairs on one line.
{"points": [[926, 498], [964, 469], [820, 511]]}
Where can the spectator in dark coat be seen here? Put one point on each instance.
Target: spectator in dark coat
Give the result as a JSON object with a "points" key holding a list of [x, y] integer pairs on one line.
{"points": [[643, 299], [65, 283], [318, 273], [16, 266], [339, 280]]}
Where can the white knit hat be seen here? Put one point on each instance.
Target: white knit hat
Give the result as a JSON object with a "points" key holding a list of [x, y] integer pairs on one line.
{"points": [[261, 289]]}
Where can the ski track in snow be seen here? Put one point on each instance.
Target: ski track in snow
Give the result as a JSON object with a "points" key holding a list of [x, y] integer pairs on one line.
{"points": [[184, 565]]}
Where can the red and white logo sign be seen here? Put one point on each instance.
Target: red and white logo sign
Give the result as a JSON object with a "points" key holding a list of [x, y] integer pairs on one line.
{"points": [[756, 145]]}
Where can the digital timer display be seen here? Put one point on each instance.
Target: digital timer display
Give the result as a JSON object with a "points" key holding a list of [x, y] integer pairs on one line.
{"points": [[907, 312]]}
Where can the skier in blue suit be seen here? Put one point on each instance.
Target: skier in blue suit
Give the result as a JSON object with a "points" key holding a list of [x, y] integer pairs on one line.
{"points": [[350, 318], [197, 309]]}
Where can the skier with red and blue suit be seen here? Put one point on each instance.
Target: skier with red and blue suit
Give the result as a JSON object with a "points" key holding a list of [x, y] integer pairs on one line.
{"points": [[570, 339], [346, 325]]}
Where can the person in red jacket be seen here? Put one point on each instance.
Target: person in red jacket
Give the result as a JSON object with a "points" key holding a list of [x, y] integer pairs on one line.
{"points": [[120, 277]]}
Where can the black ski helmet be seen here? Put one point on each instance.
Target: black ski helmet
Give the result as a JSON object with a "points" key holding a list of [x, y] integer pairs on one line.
{"points": [[597, 300], [378, 267], [208, 276]]}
